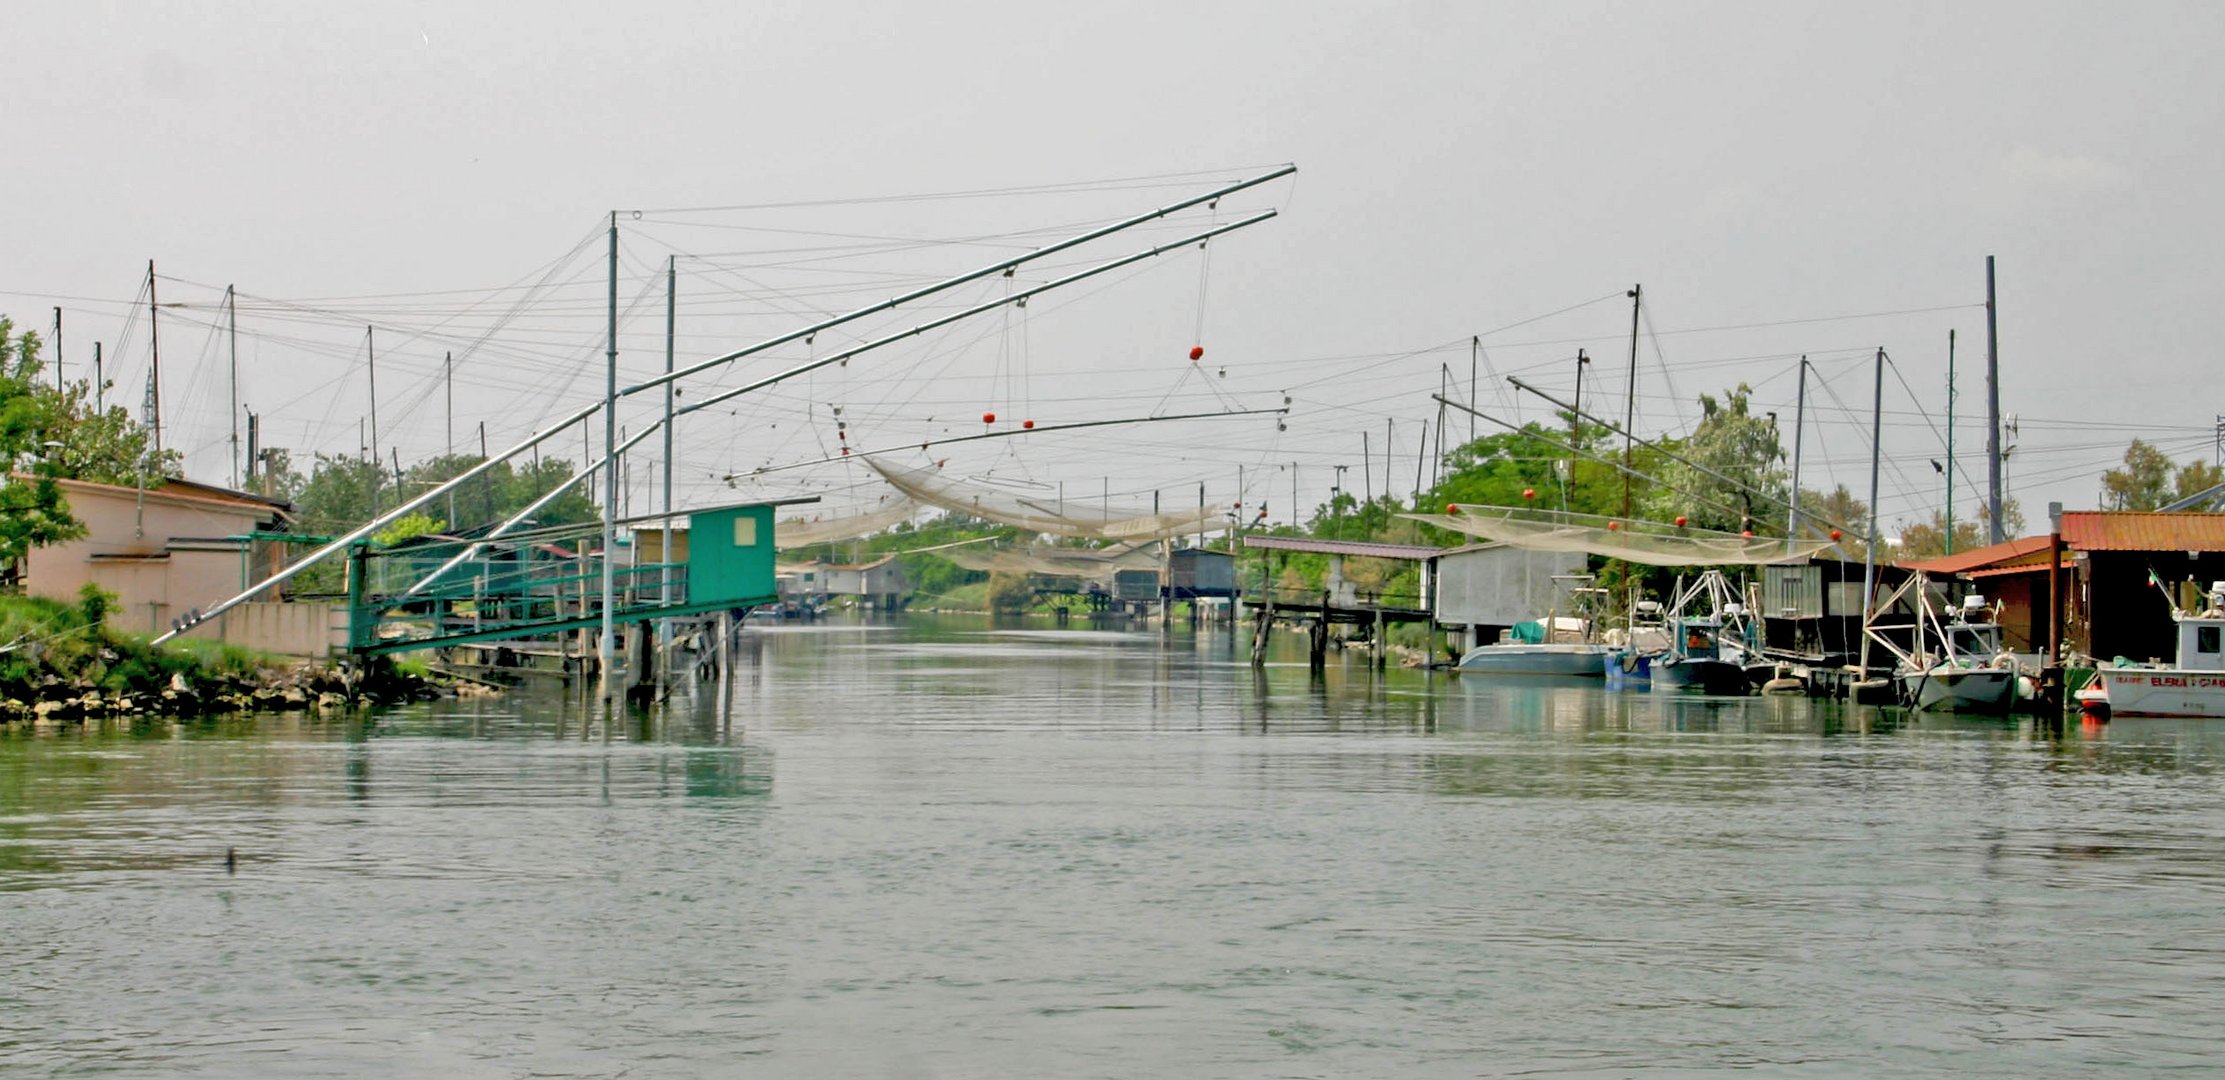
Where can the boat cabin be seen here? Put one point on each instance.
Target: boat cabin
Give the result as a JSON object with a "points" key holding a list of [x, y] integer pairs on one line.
{"points": [[2202, 634]]}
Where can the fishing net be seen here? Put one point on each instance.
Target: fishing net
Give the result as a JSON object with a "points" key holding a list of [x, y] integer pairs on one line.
{"points": [[798, 532], [1648, 543], [1045, 561], [1089, 520]]}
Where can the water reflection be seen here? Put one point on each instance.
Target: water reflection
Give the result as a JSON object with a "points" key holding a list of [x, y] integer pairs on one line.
{"points": [[992, 848]]}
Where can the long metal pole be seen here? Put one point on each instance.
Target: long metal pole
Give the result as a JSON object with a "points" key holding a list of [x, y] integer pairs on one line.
{"points": [[154, 352], [1994, 528], [1475, 349], [606, 648], [671, 325], [100, 383], [1011, 433], [487, 463], [231, 311], [1799, 424], [1010, 298], [1630, 396], [971, 275], [371, 360], [388, 518], [57, 349], [1869, 556], [1950, 442]]}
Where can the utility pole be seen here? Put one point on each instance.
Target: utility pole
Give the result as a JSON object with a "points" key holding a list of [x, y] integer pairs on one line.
{"points": [[231, 313], [1367, 466], [371, 361], [100, 386], [1869, 557], [605, 650], [448, 380], [1994, 528], [154, 352], [671, 325], [1475, 349], [1630, 398], [1799, 423], [57, 349], [1575, 411], [1950, 442]]}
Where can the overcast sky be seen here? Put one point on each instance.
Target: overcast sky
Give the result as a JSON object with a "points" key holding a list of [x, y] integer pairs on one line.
{"points": [[1773, 168]]}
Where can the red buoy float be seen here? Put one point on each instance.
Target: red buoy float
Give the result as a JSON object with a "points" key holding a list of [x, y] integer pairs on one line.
{"points": [[1028, 424], [1680, 521], [988, 418], [1451, 509], [1834, 535], [1613, 525], [1529, 493], [1197, 352], [1747, 533]]}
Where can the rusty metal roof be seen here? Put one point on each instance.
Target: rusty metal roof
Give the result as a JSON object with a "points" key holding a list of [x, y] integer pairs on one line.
{"points": [[1354, 548], [1979, 558], [2127, 530]]}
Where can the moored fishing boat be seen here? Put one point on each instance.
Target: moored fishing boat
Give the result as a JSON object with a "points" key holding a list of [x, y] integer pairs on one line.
{"points": [[2194, 686]]}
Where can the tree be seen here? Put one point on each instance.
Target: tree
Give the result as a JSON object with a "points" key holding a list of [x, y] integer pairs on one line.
{"points": [[1729, 442], [2145, 481], [2196, 477], [32, 510]]}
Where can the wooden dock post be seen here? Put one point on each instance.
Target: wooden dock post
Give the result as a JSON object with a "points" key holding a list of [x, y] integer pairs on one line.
{"points": [[1381, 647], [725, 668]]}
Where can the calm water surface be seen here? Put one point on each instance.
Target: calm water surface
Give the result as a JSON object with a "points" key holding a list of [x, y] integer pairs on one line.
{"points": [[952, 849]]}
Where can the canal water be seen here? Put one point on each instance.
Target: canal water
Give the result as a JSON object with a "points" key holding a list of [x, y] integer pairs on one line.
{"points": [[957, 849]]}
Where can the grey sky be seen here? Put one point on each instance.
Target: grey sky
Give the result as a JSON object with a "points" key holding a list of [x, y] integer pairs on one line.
{"points": [[1463, 167]]}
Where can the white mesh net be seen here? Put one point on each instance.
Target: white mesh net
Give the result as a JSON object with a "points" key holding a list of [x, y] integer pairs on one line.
{"points": [[1649, 543], [799, 532], [1084, 519], [1043, 560]]}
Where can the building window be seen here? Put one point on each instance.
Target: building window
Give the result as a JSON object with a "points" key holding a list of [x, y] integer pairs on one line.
{"points": [[2205, 639]]}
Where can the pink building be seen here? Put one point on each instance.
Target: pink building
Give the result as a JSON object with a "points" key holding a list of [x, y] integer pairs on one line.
{"points": [[174, 548]]}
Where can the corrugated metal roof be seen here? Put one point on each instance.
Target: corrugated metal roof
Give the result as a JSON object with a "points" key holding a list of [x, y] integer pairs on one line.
{"points": [[1354, 548], [2127, 530], [1978, 558]]}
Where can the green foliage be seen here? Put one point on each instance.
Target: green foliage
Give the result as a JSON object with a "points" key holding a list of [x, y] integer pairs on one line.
{"points": [[1729, 442], [2145, 481], [94, 603], [408, 527], [2195, 477]]}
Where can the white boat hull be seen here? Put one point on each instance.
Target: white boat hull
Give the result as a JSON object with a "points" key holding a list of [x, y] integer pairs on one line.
{"points": [[1541, 659], [1956, 689], [2162, 691]]}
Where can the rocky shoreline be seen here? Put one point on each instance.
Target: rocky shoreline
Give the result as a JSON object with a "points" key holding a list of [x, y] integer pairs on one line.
{"points": [[53, 700]]}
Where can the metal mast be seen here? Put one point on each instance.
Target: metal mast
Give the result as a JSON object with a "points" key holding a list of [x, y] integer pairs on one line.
{"points": [[1994, 529], [671, 322], [231, 312], [154, 351], [1950, 442], [1799, 423], [1630, 397], [607, 646], [1869, 557]]}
